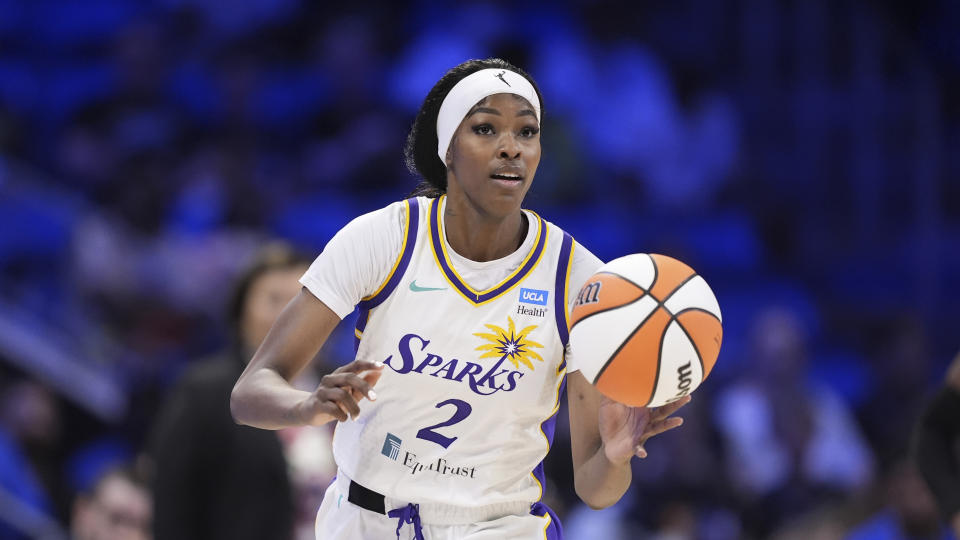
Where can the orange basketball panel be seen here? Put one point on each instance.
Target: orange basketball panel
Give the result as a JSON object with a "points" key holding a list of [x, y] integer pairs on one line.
{"points": [[670, 274], [706, 333], [613, 291], [631, 376]]}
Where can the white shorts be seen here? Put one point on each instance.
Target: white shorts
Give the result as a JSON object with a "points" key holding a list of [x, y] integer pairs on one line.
{"points": [[340, 519]]}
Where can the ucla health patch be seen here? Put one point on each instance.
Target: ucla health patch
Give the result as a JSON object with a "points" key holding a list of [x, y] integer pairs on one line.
{"points": [[534, 296]]}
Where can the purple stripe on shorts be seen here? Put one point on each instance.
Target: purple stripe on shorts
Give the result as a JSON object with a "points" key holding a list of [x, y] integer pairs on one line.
{"points": [[555, 530]]}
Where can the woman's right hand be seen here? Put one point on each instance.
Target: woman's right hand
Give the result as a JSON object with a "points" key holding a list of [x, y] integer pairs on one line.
{"points": [[338, 394]]}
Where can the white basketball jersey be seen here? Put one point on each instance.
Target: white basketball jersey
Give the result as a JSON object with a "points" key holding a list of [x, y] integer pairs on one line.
{"points": [[466, 404]]}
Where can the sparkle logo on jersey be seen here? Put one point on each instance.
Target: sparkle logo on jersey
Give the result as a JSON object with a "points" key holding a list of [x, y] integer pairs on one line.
{"points": [[391, 446], [509, 346]]}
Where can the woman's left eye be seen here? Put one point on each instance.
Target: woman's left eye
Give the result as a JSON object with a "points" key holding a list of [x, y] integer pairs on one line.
{"points": [[529, 132], [483, 129]]}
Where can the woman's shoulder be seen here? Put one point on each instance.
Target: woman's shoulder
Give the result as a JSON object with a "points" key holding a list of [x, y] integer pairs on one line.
{"points": [[392, 216], [582, 258]]}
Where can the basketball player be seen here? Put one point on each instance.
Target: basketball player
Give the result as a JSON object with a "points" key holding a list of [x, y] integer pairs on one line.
{"points": [[461, 340]]}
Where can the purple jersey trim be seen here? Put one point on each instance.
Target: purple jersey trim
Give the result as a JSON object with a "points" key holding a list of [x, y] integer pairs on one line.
{"points": [[554, 531], [365, 306], [437, 244], [560, 289], [548, 427], [413, 219]]}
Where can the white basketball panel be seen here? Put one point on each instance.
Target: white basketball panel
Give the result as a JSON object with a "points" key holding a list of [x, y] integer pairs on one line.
{"points": [[594, 339], [637, 267], [680, 369], [694, 293]]}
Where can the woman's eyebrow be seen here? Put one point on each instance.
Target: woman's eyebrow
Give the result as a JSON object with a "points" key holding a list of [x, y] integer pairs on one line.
{"points": [[487, 110]]}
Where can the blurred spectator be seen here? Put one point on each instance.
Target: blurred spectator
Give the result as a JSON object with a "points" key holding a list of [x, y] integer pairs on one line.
{"points": [[215, 479], [828, 523], [28, 421], [29, 436], [936, 447], [901, 369], [309, 453], [789, 443], [909, 512], [118, 508]]}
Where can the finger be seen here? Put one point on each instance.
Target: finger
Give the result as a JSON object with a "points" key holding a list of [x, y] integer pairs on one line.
{"points": [[342, 408], [318, 410], [335, 410], [662, 412], [360, 365], [331, 381], [660, 427], [372, 377], [666, 410], [341, 397], [341, 413], [351, 381]]}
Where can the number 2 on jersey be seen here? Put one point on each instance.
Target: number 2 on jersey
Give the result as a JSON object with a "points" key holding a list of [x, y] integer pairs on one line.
{"points": [[428, 434]]}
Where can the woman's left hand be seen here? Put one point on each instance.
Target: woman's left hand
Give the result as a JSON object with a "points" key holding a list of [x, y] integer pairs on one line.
{"points": [[624, 429]]}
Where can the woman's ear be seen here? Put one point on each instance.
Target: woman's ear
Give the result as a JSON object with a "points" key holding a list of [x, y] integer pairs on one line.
{"points": [[448, 159]]}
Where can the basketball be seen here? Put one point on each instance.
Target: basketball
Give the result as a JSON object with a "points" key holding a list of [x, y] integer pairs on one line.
{"points": [[645, 330]]}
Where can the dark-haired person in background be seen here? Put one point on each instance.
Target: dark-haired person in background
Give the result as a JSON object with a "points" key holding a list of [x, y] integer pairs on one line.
{"points": [[937, 447], [214, 479], [464, 300], [117, 508]]}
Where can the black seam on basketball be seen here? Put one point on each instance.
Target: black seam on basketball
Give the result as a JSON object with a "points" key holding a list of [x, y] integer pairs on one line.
{"points": [[656, 376], [656, 273], [635, 300], [628, 280], [700, 309], [675, 289], [703, 373], [620, 347]]}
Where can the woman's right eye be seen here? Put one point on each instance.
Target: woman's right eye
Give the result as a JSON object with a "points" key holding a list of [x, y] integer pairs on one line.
{"points": [[483, 129]]}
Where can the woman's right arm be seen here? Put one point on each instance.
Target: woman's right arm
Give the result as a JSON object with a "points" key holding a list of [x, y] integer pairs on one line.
{"points": [[263, 396]]}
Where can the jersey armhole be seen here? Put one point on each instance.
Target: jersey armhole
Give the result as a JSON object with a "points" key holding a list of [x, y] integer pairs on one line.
{"points": [[410, 228], [562, 293]]}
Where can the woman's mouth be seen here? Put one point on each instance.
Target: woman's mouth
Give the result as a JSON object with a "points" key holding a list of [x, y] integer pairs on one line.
{"points": [[507, 177]]}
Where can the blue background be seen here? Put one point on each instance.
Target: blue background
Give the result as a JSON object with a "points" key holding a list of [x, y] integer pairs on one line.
{"points": [[803, 156]]}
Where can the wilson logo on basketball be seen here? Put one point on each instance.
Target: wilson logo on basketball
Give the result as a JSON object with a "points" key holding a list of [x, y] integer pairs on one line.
{"points": [[685, 379], [589, 294]]}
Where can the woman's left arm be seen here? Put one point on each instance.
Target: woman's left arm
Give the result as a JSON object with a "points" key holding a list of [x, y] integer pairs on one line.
{"points": [[605, 435]]}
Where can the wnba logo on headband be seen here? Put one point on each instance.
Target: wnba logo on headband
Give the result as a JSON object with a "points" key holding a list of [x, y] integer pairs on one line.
{"points": [[471, 89]]}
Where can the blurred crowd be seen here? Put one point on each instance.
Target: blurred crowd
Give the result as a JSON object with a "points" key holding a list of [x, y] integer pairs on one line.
{"points": [[802, 156]]}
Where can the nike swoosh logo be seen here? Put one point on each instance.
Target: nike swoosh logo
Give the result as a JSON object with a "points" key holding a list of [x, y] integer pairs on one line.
{"points": [[416, 288]]}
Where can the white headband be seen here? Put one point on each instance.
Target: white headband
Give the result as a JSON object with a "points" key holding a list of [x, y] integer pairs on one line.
{"points": [[471, 89]]}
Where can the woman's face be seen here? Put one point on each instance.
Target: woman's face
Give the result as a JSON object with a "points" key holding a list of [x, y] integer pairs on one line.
{"points": [[494, 155], [268, 295]]}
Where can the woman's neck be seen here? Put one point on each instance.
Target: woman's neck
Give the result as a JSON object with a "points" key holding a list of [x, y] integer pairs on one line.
{"points": [[481, 237]]}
